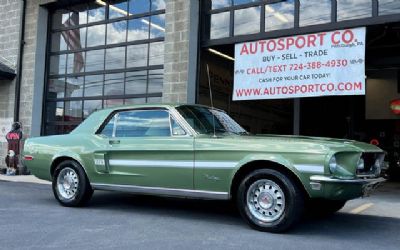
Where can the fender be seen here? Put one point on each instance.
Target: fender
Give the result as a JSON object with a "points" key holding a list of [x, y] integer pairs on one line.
{"points": [[74, 156], [276, 158]]}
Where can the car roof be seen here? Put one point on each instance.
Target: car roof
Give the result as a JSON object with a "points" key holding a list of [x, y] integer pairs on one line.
{"points": [[151, 105]]}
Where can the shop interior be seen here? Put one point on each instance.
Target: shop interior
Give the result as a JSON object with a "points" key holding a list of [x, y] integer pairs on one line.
{"points": [[372, 118]]}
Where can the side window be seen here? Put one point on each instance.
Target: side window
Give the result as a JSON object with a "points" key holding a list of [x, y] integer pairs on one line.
{"points": [[177, 130], [142, 123], [109, 128]]}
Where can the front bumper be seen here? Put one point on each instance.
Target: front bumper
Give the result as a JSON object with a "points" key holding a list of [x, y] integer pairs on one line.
{"points": [[344, 189]]}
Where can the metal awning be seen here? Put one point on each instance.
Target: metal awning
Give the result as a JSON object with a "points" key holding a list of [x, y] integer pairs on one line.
{"points": [[6, 73]]}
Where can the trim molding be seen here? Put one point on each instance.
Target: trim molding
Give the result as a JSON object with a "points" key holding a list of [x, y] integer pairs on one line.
{"points": [[159, 191]]}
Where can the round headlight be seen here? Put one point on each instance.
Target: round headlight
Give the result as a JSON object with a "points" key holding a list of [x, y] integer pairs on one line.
{"points": [[332, 164], [360, 164]]}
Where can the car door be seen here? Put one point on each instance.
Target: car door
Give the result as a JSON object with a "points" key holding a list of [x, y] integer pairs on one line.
{"points": [[148, 147]]}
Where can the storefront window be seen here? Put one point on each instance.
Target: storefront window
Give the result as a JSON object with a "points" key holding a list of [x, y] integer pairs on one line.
{"points": [[314, 12], [247, 21], [114, 57], [219, 25], [279, 16], [353, 9], [217, 4], [389, 7]]}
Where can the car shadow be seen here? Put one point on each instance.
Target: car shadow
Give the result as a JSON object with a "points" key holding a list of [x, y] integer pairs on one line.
{"points": [[339, 225]]}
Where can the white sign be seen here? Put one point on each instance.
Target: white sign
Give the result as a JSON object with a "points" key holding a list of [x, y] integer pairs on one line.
{"points": [[323, 64], [5, 127]]}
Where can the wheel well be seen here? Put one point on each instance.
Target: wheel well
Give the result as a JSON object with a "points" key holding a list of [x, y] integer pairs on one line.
{"points": [[255, 165], [57, 161]]}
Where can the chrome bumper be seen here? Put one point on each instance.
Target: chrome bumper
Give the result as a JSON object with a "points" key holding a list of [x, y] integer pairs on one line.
{"points": [[366, 185], [326, 179]]}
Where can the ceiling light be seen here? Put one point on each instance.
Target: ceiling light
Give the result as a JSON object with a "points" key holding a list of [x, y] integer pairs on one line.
{"points": [[216, 52]]}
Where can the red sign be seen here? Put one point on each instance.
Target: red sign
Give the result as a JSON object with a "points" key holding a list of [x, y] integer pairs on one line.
{"points": [[395, 107]]}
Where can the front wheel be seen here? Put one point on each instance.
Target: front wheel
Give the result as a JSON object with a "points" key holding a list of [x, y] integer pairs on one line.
{"points": [[270, 201], [70, 185]]}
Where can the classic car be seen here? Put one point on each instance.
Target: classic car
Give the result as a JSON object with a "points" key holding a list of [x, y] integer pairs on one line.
{"points": [[194, 151]]}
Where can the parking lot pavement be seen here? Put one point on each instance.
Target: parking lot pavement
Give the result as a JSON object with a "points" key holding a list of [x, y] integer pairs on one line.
{"points": [[384, 202], [32, 219]]}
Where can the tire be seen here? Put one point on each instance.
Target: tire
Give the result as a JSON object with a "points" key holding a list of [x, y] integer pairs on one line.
{"points": [[74, 192], [324, 207], [270, 201]]}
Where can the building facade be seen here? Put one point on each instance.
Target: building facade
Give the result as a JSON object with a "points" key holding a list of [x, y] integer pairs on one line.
{"points": [[65, 59]]}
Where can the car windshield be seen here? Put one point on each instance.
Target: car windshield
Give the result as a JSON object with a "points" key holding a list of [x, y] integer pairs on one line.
{"points": [[202, 119]]}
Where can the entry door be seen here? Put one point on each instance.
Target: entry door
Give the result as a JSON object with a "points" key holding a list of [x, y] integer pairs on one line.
{"points": [[149, 148]]}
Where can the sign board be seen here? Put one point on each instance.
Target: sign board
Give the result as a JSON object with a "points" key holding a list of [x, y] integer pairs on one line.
{"points": [[5, 127], [322, 64]]}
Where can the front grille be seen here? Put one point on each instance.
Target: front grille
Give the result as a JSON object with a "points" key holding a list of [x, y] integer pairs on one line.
{"points": [[372, 164]]}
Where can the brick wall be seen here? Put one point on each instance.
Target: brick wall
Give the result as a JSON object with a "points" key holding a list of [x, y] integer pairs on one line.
{"points": [[176, 58], [9, 37]]}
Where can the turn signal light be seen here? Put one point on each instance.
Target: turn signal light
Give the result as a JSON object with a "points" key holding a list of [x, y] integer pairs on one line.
{"points": [[28, 157]]}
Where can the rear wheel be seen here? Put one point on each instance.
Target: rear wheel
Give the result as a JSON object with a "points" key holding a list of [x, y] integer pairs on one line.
{"points": [[270, 201], [70, 184]]}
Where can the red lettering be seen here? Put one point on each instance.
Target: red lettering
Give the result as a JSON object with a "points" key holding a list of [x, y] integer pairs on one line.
{"points": [[244, 50]]}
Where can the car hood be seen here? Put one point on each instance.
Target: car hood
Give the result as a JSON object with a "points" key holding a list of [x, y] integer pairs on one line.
{"points": [[322, 142]]}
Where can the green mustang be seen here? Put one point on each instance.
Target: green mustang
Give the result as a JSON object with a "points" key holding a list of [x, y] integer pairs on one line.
{"points": [[195, 151]]}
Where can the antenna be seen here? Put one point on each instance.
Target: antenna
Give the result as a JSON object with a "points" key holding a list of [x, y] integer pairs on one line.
{"points": [[211, 98]]}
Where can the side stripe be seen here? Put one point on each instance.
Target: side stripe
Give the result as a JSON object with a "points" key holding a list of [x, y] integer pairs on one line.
{"points": [[181, 164]]}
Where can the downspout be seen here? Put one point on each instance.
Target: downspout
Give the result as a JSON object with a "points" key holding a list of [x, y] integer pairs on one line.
{"points": [[20, 62]]}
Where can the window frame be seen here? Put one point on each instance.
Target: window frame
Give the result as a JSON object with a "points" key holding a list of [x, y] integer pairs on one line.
{"points": [[115, 114]]}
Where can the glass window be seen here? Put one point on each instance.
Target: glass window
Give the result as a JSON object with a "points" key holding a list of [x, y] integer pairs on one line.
{"points": [[177, 130], [138, 29], [58, 42], [55, 111], [238, 2], [115, 58], [118, 9], [73, 111], [147, 123], [218, 4], [94, 60], [114, 84], [60, 19], [157, 5], [56, 88], [136, 82], [314, 12], [79, 58], [139, 6], [109, 103], [219, 25], [247, 21], [157, 25], [279, 16], [137, 55], [96, 12], [156, 55], [96, 35], [81, 11], [74, 87], [75, 38], [353, 9], [132, 101], [108, 129], [389, 7], [116, 32], [94, 85], [156, 79], [91, 106], [76, 63], [58, 64]]}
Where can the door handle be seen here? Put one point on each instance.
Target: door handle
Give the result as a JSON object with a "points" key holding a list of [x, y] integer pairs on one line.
{"points": [[113, 142]]}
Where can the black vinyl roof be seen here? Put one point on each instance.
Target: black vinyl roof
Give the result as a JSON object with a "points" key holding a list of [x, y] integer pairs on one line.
{"points": [[6, 73]]}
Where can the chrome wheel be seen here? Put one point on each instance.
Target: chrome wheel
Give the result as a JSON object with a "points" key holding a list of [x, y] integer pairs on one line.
{"points": [[67, 183], [266, 200]]}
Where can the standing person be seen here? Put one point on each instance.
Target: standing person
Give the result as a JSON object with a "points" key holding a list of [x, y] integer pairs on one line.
{"points": [[14, 138]]}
